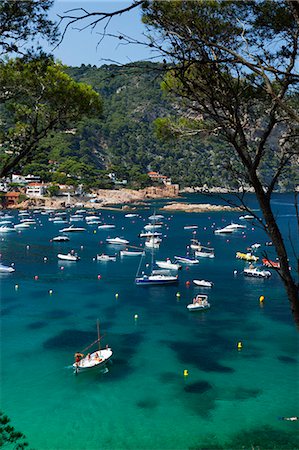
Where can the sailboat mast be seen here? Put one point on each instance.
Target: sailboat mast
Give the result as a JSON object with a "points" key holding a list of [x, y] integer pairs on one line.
{"points": [[98, 328]]}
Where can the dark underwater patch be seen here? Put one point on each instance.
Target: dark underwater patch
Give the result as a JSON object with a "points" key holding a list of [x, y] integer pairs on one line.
{"points": [[203, 356], [37, 325], [70, 340], [58, 314], [147, 403], [125, 346], [287, 359], [169, 377], [198, 387], [244, 393], [265, 438], [8, 310]]}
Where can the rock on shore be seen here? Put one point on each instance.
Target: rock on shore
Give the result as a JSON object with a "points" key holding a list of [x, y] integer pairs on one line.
{"points": [[197, 208], [103, 197]]}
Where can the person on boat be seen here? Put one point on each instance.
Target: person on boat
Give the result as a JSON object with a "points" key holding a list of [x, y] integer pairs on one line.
{"points": [[197, 300], [78, 357]]}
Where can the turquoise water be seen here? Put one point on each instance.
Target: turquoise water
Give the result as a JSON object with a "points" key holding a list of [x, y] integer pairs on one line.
{"points": [[230, 399]]}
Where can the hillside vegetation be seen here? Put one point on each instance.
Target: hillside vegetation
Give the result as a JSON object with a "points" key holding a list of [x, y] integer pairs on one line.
{"points": [[124, 139]]}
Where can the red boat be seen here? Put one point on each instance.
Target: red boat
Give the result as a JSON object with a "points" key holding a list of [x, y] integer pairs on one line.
{"points": [[272, 264]]}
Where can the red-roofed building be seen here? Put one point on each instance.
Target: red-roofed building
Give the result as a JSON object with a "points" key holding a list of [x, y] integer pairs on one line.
{"points": [[156, 176], [35, 190]]}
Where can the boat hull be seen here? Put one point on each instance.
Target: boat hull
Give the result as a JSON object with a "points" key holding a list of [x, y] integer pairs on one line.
{"points": [[95, 359], [68, 257], [194, 307], [155, 280]]}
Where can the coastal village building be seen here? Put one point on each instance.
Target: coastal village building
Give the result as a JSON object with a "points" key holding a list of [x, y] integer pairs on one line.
{"points": [[114, 180], [35, 190], [15, 178], [156, 176]]}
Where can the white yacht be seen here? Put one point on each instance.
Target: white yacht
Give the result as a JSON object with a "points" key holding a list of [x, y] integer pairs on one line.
{"points": [[117, 241]]}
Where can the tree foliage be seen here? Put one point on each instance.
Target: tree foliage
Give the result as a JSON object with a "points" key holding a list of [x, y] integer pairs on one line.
{"points": [[23, 23], [9, 436], [233, 67], [38, 97]]}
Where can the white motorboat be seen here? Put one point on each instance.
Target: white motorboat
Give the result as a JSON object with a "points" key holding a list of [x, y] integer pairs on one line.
{"points": [[186, 260], [149, 234], [68, 257], [76, 218], [131, 253], [152, 226], [168, 265], [105, 258], [205, 252], [156, 279], [92, 360], [29, 221], [106, 227], [156, 217], [225, 230], [203, 283], [60, 222], [130, 216], [195, 244], [91, 218], [153, 242], [190, 227], [21, 226], [6, 269], [72, 229], [117, 241], [256, 272], [246, 217], [5, 229], [60, 239], [236, 226], [255, 246], [200, 303], [5, 222]]}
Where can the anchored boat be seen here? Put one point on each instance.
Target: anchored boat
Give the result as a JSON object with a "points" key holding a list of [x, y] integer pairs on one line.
{"points": [[94, 359]]}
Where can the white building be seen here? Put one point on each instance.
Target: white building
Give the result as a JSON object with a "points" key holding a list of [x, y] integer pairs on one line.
{"points": [[35, 190]]}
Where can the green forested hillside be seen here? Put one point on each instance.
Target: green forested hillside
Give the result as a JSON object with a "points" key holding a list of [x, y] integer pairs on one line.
{"points": [[124, 141]]}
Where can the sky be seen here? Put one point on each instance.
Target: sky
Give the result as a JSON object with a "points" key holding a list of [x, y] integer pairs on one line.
{"points": [[80, 47]]}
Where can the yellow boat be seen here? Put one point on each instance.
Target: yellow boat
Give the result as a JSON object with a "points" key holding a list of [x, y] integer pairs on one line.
{"points": [[247, 256]]}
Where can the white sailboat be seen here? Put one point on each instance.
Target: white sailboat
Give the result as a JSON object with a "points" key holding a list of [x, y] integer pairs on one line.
{"points": [[91, 360], [154, 277]]}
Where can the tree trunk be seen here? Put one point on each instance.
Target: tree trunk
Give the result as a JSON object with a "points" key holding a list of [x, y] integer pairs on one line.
{"points": [[291, 286]]}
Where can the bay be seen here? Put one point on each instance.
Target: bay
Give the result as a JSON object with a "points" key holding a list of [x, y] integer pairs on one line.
{"points": [[229, 398]]}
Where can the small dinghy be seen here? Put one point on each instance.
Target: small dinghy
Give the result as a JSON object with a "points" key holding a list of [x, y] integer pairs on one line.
{"points": [[203, 283], [68, 257], [200, 303]]}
